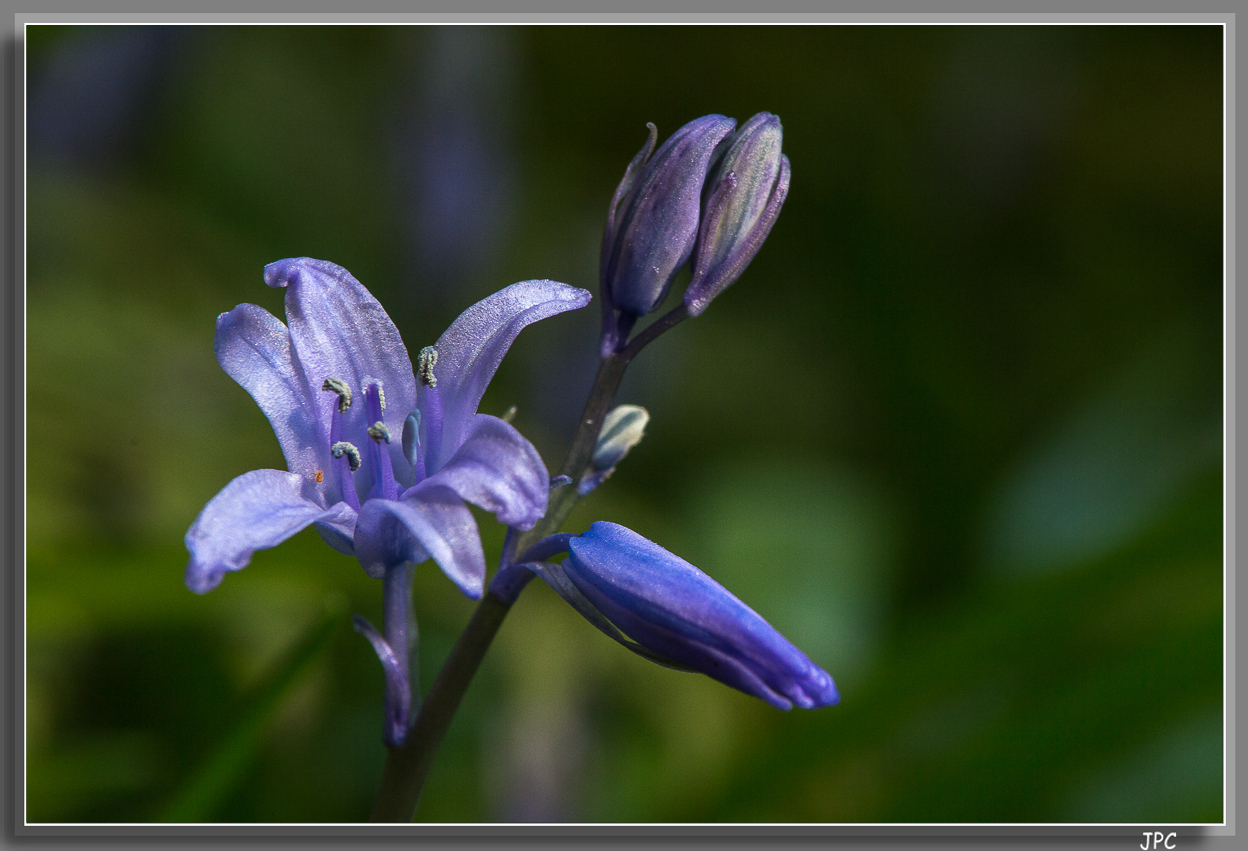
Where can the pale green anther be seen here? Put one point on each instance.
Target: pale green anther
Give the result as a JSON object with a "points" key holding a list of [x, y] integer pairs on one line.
{"points": [[622, 429], [341, 448], [509, 414], [378, 432], [425, 362], [411, 437], [337, 385]]}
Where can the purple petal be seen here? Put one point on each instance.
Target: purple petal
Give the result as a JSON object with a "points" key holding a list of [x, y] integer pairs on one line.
{"points": [[470, 352], [746, 190], [499, 470], [433, 523], [253, 347], [339, 532], [672, 608], [256, 511], [632, 173], [508, 583], [338, 330], [753, 163], [711, 278]]}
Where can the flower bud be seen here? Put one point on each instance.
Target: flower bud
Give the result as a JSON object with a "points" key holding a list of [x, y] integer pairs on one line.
{"points": [[652, 224], [622, 429], [678, 614], [743, 196]]}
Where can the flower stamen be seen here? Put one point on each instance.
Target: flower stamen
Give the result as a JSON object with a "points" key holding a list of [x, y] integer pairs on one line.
{"points": [[425, 362], [337, 385], [378, 432], [342, 448], [384, 485]]}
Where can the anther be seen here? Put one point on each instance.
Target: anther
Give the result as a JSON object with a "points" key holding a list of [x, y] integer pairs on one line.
{"points": [[337, 385], [509, 414], [341, 448], [425, 363], [378, 432]]}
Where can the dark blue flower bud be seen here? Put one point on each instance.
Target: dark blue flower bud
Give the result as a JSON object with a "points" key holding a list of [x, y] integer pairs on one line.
{"points": [[678, 615], [743, 196], [652, 224]]}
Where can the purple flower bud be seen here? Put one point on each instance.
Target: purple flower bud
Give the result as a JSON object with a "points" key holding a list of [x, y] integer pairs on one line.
{"points": [[677, 613], [652, 224], [742, 199]]}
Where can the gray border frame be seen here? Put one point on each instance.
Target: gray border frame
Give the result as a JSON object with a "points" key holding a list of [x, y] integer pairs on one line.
{"points": [[13, 470], [19, 834]]}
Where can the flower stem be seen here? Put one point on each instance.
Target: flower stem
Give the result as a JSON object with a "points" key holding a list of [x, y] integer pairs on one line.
{"points": [[408, 764], [607, 382]]}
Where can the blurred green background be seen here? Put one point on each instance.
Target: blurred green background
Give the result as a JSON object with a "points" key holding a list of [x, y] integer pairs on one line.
{"points": [[957, 432]]}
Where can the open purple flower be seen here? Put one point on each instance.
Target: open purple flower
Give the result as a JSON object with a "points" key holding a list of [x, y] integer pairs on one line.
{"points": [[664, 608], [338, 388], [380, 459]]}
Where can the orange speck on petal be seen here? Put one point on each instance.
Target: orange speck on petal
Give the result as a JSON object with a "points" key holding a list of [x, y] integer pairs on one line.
{"points": [[320, 476]]}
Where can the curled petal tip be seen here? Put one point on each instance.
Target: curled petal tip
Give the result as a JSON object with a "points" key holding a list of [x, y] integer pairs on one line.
{"points": [[282, 272], [202, 579]]}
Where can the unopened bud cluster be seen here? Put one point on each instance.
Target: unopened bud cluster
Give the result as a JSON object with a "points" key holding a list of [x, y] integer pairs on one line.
{"points": [[708, 197]]}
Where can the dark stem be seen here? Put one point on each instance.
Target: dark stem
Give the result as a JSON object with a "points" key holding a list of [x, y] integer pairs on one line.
{"points": [[607, 382], [407, 766], [665, 322]]}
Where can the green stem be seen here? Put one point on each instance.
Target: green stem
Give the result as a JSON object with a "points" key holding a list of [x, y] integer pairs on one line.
{"points": [[407, 766]]}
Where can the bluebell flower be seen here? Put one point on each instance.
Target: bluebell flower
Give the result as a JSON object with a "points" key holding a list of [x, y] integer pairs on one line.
{"points": [[380, 458], [338, 388], [743, 195], [664, 608]]}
